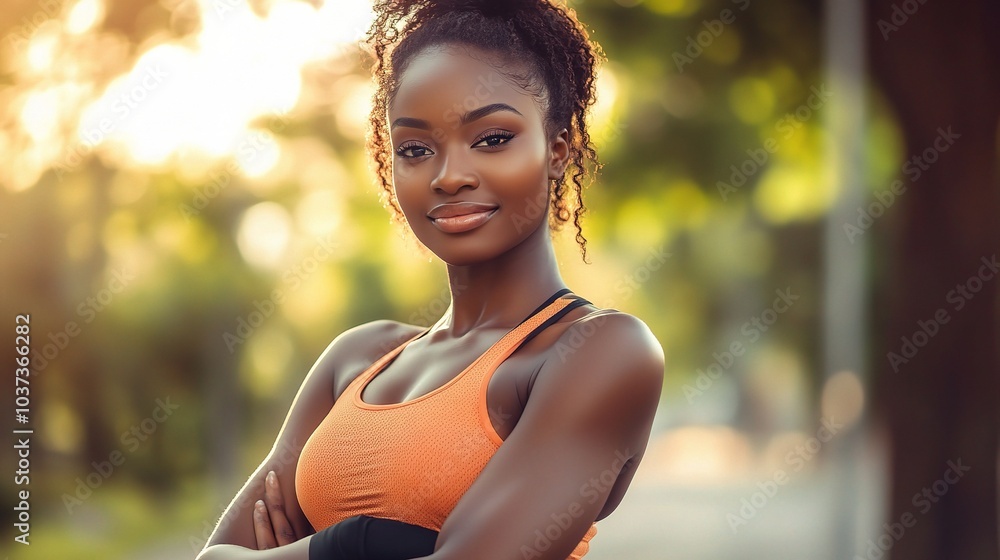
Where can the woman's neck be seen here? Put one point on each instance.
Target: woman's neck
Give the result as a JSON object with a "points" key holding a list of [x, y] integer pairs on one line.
{"points": [[503, 291]]}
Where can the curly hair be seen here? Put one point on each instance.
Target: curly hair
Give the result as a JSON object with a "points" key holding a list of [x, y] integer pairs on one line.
{"points": [[562, 62]]}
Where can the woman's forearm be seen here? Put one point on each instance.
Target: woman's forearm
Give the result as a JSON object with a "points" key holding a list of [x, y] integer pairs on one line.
{"points": [[298, 550], [357, 538]]}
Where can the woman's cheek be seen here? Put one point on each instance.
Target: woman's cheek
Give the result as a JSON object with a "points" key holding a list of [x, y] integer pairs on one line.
{"points": [[403, 174], [525, 198], [409, 180], [524, 173]]}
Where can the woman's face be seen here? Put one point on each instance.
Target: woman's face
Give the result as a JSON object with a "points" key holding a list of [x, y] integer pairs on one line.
{"points": [[461, 133]]}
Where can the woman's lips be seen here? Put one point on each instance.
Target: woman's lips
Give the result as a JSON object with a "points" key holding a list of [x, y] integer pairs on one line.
{"points": [[465, 222]]}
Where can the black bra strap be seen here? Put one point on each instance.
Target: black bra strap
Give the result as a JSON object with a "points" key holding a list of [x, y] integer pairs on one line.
{"points": [[547, 302], [555, 317], [579, 301]]}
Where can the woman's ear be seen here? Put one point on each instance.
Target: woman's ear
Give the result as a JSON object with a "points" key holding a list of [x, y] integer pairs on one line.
{"points": [[559, 155]]}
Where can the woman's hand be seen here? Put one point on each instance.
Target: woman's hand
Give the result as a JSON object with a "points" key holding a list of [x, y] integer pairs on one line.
{"points": [[271, 528], [356, 538], [270, 524]]}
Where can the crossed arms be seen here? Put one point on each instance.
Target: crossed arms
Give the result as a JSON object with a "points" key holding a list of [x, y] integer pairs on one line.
{"points": [[589, 414]]}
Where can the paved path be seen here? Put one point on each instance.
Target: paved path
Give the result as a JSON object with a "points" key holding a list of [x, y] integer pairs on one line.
{"points": [[658, 520]]}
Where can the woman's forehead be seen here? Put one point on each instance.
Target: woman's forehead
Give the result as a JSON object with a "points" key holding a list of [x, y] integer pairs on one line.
{"points": [[454, 75]]}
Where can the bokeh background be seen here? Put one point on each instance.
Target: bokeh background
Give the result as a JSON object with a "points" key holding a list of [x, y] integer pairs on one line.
{"points": [[799, 198]]}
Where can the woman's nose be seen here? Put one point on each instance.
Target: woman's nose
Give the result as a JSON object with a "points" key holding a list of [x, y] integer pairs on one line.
{"points": [[455, 172]]}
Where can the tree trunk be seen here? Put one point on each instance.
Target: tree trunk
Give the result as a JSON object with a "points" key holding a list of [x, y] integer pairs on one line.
{"points": [[937, 64]]}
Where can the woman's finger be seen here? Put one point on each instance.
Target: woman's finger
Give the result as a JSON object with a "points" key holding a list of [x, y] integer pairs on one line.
{"points": [[262, 527], [283, 532]]}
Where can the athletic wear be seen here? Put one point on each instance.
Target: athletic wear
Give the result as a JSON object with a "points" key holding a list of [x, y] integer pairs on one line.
{"points": [[370, 538], [412, 461]]}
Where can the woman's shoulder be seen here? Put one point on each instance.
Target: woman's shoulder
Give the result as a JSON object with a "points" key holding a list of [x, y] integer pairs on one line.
{"points": [[609, 326], [367, 339], [353, 350], [606, 342]]}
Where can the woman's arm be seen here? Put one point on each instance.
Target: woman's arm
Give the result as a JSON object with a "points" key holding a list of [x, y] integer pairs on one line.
{"points": [[276, 540], [313, 401], [298, 550], [356, 538], [588, 415], [360, 537]]}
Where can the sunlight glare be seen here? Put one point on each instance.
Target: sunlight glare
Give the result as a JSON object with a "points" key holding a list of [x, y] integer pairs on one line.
{"points": [[84, 15], [607, 93], [39, 115], [320, 212], [242, 67], [264, 233], [42, 48], [698, 454]]}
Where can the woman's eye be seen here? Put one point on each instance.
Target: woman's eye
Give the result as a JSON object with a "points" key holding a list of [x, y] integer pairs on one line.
{"points": [[413, 151], [491, 140], [495, 139]]}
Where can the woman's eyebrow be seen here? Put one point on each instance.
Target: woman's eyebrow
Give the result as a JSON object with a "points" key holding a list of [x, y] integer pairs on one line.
{"points": [[464, 119]]}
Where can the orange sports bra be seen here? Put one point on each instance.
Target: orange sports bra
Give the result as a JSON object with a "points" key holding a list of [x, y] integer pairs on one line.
{"points": [[412, 461]]}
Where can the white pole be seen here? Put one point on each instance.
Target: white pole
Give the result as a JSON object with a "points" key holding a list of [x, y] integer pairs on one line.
{"points": [[845, 290]]}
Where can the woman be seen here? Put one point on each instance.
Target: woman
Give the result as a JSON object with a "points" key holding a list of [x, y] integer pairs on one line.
{"points": [[479, 111]]}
